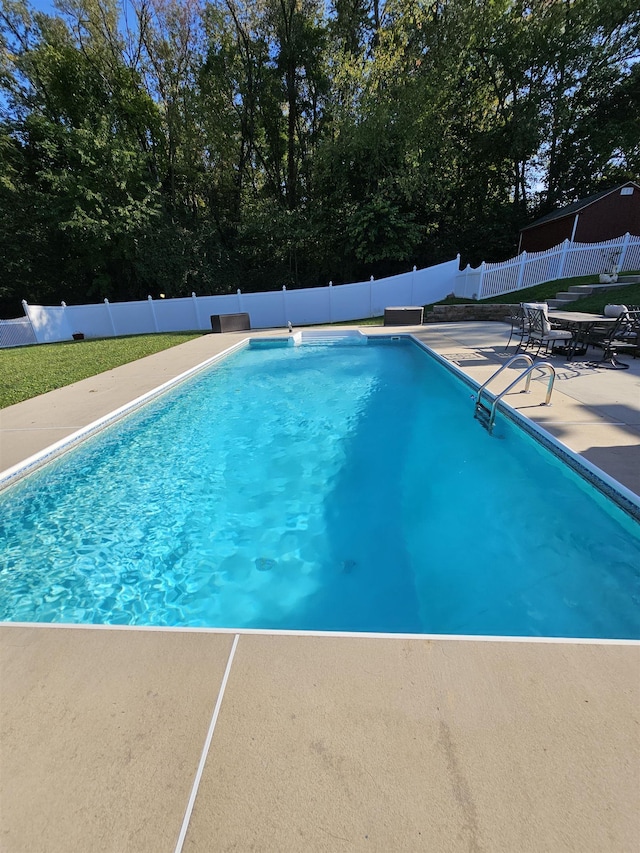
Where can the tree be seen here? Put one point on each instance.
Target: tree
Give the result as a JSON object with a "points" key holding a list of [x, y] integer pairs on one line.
{"points": [[591, 48], [254, 143]]}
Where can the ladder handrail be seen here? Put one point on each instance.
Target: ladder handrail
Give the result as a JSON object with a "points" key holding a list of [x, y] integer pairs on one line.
{"points": [[527, 373], [511, 361]]}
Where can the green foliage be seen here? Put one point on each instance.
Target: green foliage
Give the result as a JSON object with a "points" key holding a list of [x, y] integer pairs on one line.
{"points": [[254, 144], [26, 372]]}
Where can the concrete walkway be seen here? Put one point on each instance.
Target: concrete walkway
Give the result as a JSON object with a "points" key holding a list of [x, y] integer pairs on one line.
{"points": [[151, 740]]}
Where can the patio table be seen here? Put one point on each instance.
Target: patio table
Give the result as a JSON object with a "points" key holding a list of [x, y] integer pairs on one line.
{"points": [[580, 323]]}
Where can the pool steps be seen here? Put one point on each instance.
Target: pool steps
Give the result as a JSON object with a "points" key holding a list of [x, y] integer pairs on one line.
{"points": [[343, 337]]}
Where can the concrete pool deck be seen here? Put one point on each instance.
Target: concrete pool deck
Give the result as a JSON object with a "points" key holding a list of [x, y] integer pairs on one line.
{"points": [[149, 740]]}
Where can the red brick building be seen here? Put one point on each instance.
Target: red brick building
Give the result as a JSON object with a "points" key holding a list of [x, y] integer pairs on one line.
{"points": [[599, 217]]}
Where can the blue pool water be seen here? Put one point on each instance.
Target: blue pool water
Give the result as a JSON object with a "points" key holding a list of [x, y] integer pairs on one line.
{"points": [[321, 488]]}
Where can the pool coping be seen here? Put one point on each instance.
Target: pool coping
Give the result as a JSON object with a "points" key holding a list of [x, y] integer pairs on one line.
{"points": [[291, 632]]}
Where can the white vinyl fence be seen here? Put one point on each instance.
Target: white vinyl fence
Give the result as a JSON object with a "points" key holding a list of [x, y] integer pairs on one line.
{"points": [[563, 261], [273, 309]]}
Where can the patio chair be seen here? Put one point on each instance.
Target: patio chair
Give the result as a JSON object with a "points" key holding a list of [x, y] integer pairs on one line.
{"points": [[541, 334], [519, 327], [629, 331], [526, 307], [622, 336]]}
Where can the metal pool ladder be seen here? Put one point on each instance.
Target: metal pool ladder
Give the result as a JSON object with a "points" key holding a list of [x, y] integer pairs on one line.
{"points": [[487, 415]]}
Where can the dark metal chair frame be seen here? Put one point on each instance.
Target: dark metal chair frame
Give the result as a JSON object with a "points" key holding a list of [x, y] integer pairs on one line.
{"points": [[519, 327], [624, 335]]}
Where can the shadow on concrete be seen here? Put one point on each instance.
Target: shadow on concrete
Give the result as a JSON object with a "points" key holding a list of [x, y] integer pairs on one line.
{"points": [[625, 417], [628, 470], [475, 358], [622, 461]]}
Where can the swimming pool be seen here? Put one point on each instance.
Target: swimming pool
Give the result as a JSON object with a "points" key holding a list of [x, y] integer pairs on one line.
{"points": [[319, 488]]}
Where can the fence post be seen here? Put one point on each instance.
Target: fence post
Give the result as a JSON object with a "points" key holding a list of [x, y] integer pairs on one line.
{"points": [[64, 311], [64, 314], [25, 308], [563, 255], [482, 269], [466, 279], [623, 251], [523, 263], [284, 305], [240, 308], [194, 301], [153, 313], [331, 302], [371, 296], [109, 314], [413, 275]]}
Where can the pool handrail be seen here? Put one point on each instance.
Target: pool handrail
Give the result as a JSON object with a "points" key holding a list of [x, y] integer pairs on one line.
{"points": [[521, 357], [527, 373]]}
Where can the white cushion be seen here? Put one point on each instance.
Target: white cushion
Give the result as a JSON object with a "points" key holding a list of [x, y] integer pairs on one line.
{"points": [[552, 335], [558, 335], [614, 310], [538, 305]]}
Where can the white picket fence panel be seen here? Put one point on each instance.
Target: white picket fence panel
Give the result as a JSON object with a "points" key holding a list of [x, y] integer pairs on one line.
{"points": [[273, 309], [563, 261], [16, 333]]}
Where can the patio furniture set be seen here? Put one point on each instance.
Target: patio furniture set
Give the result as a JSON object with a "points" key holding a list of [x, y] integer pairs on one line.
{"points": [[571, 333]]}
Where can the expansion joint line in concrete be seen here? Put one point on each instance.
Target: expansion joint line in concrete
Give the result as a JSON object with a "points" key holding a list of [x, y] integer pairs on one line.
{"points": [[205, 749]]}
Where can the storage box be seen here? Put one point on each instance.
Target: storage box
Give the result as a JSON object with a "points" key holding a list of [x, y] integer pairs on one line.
{"points": [[404, 315], [230, 322]]}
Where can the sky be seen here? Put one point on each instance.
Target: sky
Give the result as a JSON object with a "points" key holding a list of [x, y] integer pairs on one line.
{"points": [[46, 6], [43, 6]]}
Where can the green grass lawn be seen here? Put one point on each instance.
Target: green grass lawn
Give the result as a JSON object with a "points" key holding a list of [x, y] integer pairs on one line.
{"points": [[366, 321], [26, 372], [625, 294]]}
